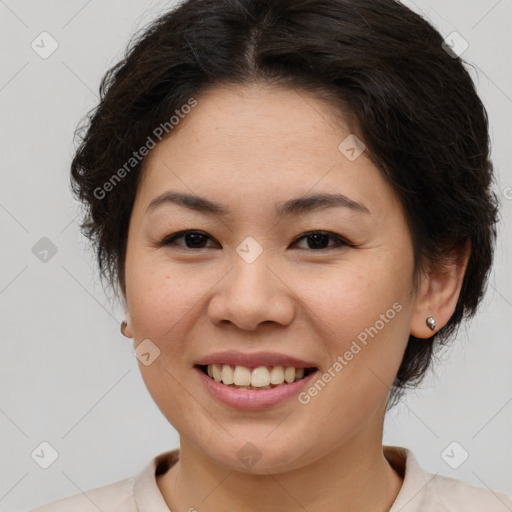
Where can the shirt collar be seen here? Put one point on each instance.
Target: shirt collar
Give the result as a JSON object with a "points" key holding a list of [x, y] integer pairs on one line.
{"points": [[410, 497], [146, 491], [149, 498]]}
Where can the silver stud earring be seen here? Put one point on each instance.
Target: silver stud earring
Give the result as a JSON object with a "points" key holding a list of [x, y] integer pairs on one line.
{"points": [[432, 324]]}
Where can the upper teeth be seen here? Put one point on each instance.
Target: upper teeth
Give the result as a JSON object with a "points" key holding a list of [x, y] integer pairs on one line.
{"points": [[259, 377]]}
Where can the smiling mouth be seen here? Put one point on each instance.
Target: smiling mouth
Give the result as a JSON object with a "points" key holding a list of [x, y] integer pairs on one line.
{"points": [[261, 377]]}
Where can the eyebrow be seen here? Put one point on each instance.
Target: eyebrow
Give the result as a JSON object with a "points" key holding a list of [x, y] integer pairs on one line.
{"points": [[292, 207]]}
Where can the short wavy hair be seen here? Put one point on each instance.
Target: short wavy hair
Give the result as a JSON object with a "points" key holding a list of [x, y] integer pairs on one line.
{"points": [[422, 122]]}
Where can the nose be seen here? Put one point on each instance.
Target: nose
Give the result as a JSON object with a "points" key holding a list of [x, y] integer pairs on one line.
{"points": [[252, 294]]}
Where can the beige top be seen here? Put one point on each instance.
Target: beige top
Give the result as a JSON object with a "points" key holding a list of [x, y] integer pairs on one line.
{"points": [[421, 491]]}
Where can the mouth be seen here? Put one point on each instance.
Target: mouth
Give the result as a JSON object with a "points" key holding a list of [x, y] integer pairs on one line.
{"points": [[258, 378]]}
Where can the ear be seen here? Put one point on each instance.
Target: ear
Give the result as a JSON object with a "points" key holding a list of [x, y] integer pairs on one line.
{"points": [[128, 330], [439, 292]]}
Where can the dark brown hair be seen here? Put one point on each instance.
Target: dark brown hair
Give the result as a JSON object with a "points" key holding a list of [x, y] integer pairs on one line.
{"points": [[421, 120]]}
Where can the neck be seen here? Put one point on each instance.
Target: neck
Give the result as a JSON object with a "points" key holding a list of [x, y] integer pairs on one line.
{"points": [[346, 478]]}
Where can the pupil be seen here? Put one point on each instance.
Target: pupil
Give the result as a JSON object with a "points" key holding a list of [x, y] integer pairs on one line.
{"points": [[318, 241], [195, 239]]}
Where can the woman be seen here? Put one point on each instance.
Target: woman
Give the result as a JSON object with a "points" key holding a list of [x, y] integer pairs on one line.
{"points": [[293, 201]]}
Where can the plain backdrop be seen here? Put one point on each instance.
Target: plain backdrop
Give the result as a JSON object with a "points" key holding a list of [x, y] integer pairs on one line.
{"points": [[68, 377]]}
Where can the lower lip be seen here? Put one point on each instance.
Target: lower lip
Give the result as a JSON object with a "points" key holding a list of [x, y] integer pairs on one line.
{"points": [[247, 399]]}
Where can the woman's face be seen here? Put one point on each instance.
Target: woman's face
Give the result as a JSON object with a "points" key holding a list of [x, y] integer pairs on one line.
{"points": [[253, 281]]}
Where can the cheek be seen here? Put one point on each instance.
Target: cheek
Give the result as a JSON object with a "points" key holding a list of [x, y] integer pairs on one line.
{"points": [[160, 296], [345, 301], [161, 303], [363, 317], [365, 334]]}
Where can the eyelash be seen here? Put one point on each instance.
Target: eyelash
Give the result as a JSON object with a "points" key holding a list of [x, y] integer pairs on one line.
{"points": [[340, 242]]}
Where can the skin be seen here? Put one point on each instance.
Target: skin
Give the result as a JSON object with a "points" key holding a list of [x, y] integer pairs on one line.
{"points": [[249, 147]]}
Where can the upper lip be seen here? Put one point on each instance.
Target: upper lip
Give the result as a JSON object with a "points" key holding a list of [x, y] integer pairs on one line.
{"points": [[254, 360]]}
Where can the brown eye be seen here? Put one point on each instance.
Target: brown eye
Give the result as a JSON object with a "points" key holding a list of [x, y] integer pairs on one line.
{"points": [[315, 240], [192, 239], [319, 240]]}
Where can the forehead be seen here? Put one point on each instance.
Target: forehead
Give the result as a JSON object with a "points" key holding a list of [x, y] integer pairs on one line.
{"points": [[251, 143]]}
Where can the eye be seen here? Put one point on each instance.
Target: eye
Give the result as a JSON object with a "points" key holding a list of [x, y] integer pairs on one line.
{"points": [[318, 240], [193, 239]]}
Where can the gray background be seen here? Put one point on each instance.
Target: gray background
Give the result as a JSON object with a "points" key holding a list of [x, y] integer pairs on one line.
{"points": [[69, 378]]}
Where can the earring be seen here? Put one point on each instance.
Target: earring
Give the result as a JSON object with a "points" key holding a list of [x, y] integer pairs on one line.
{"points": [[123, 327], [432, 324]]}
